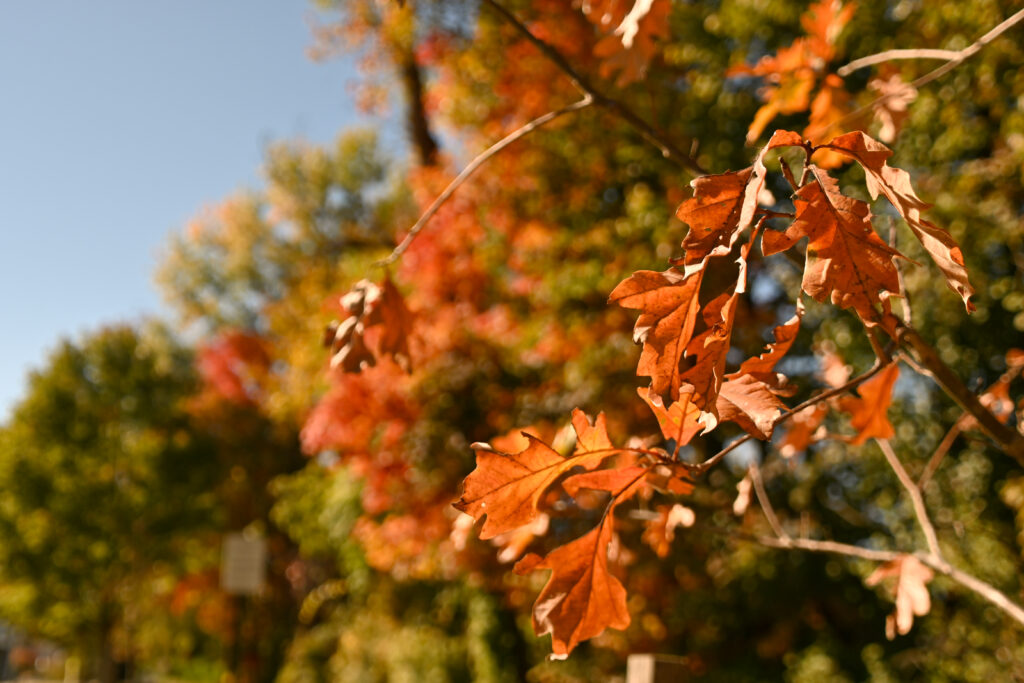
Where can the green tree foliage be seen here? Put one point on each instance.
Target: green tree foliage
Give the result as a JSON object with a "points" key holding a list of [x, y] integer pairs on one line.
{"points": [[107, 492]]}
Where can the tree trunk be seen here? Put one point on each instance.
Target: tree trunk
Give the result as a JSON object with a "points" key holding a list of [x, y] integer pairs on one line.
{"points": [[416, 114]]}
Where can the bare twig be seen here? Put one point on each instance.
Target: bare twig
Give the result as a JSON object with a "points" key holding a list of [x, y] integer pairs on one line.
{"points": [[915, 496], [473, 165], [893, 55], [954, 61], [986, 591], [940, 452], [1005, 436], [983, 589], [766, 504], [667, 148]]}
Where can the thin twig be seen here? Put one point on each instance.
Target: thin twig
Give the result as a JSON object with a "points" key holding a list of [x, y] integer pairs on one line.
{"points": [[1009, 439], [473, 165], [766, 504], [983, 589], [701, 468], [990, 593], [940, 452], [961, 56], [667, 148], [915, 496], [893, 55]]}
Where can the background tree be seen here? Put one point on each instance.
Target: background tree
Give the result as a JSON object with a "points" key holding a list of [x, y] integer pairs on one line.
{"points": [[107, 494]]}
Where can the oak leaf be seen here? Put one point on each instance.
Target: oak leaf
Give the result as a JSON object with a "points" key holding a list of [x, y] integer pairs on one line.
{"points": [[669, 303], [762, 367], [679, 421], [894, 183], [724, 205], [508, 487], [846, 261], [751, 404], [869, 410], [660, 531], [912, 597], [802, 430], [582, 598]]}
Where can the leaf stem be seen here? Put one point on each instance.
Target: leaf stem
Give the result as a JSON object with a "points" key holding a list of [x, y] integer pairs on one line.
{"points": [[471, 168]]}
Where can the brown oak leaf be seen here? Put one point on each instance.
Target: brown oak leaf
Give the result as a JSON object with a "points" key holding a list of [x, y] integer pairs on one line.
{"points": [[846, 261], [724, 205], [912, 598], [669, 303], [507, 487], [894, 183], [869, 410], [661, 531], [751, 404], [762, 367], [582, 598], [679, 422]]}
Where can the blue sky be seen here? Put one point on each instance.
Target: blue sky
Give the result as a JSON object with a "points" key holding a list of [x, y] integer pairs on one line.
{"points": [[121, 119]]}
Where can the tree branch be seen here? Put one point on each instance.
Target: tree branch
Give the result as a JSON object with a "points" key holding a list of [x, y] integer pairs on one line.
{"points": [[1006, 437], [667, 148], [892, 55], [766, 504], [986, 591], [915, 496], [960, 56], [472, 166]]}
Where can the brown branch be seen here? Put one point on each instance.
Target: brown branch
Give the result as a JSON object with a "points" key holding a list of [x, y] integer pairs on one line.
{"points": [[940, 452], [766, 504], [904, 296], [473, 165], [667, 148], [1006, 437], [893, 55], [961, 56], [987, 591], [990, 593], [915, 496]]}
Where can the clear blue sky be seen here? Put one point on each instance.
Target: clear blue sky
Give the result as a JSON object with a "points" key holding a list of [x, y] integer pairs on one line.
{"points": [[118, 121]]}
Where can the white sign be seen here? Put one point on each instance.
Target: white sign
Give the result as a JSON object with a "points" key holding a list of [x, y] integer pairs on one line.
{"points": [[243, 564]]}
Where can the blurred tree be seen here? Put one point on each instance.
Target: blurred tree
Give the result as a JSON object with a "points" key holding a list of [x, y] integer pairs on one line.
{"points": [[107, 489]]}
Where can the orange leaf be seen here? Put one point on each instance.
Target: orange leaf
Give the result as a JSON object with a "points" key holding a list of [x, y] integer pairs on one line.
{"points": [[762, 367], [869, 410], [507, 487], [668, 302], [582, 598], [661, 531], [894, 183], [751, 404], [801, 430], [724, 205], [845, 258], [680, 421], [912, 597]]}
